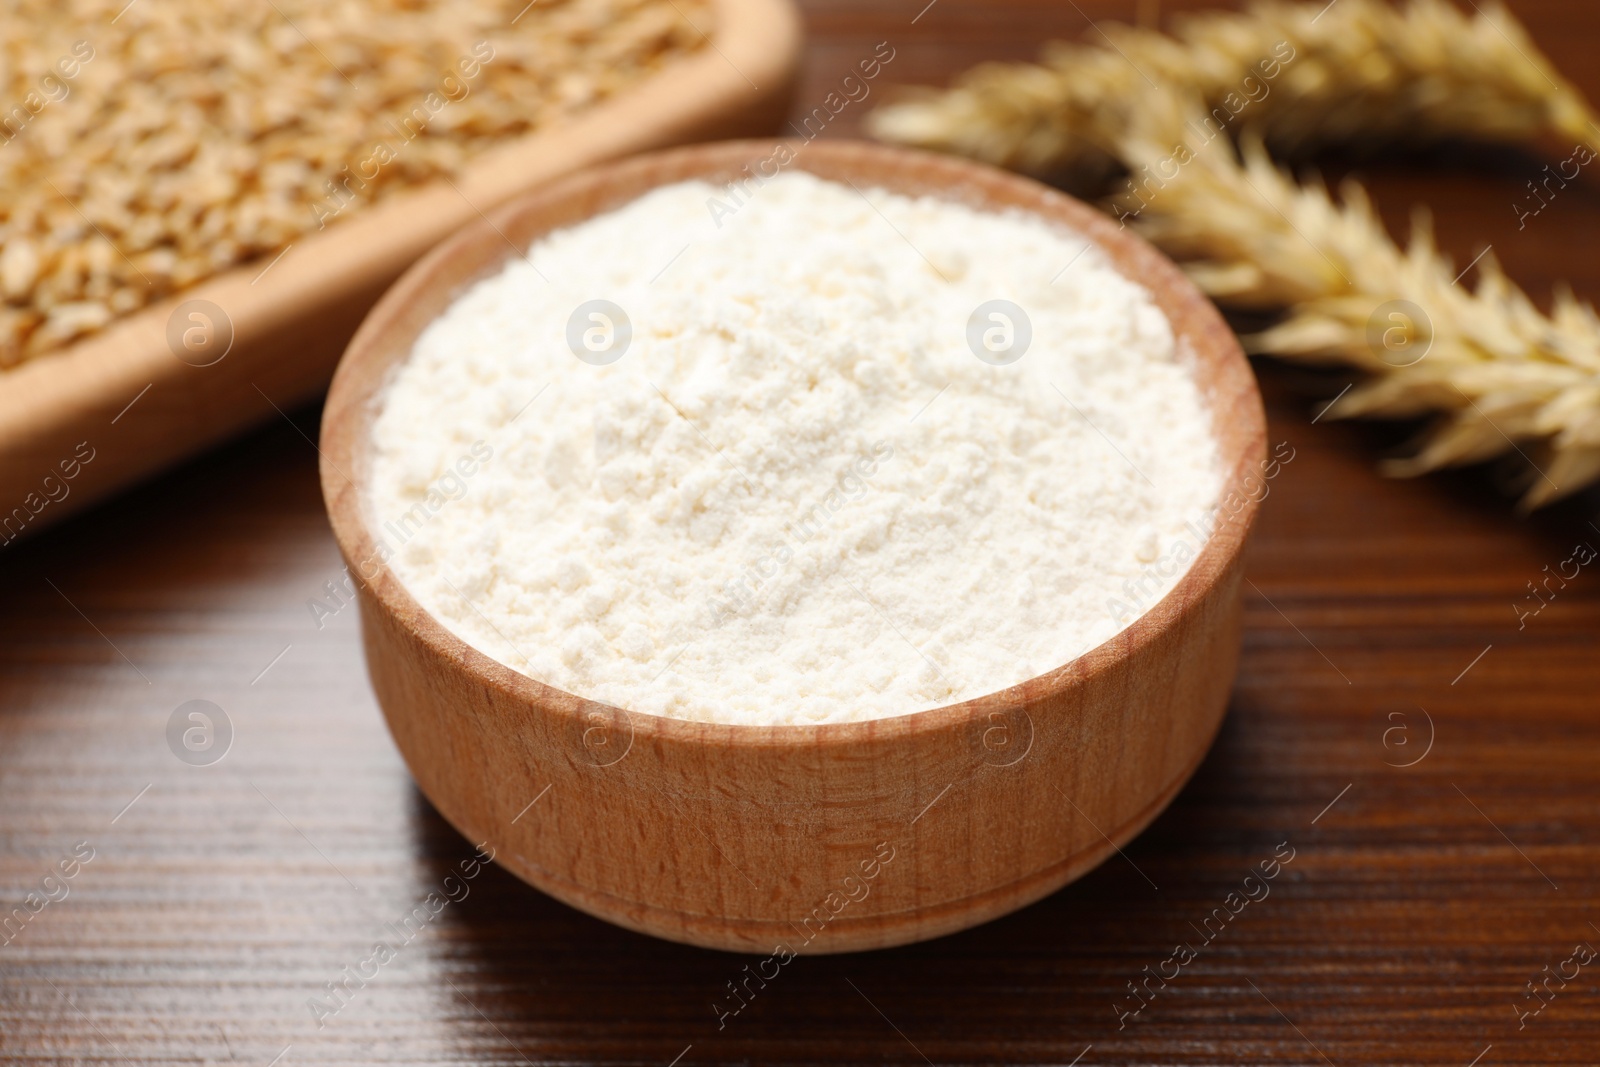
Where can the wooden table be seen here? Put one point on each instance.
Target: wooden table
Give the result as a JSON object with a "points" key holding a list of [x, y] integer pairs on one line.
{"points": [[1419, 903]]}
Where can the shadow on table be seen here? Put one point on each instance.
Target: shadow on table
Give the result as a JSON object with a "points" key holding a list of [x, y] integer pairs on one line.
{"points": [[559, 982]]}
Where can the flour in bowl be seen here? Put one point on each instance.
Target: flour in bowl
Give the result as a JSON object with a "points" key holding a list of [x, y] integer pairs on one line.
{"points": [[773, 459]]}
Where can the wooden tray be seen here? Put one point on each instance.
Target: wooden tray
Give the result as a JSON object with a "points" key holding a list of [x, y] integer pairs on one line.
{"points": [[124, 401]]}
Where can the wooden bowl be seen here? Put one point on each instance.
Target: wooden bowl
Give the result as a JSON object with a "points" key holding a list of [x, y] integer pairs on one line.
{"points": [[801, 839]]}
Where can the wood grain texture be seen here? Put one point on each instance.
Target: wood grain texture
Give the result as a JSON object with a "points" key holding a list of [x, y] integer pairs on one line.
{"points": [[289, 321], [1403, 932], [654, 823]]}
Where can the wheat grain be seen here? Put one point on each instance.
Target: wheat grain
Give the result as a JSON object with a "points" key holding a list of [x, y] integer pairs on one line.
{"points": [[145, 150]]}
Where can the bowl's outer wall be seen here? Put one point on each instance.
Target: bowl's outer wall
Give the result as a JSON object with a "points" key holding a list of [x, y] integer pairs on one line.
{"points": [[803, 839], [754, 847]]}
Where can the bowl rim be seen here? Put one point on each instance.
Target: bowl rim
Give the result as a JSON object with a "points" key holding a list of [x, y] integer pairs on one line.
{"points": [[1231, 392]]}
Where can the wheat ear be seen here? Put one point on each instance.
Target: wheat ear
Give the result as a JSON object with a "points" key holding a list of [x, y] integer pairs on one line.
{"points": [[1361, 71], [1498, 370]]}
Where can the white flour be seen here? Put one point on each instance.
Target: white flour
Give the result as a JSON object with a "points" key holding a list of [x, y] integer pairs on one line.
{"points": [[798, 496]]}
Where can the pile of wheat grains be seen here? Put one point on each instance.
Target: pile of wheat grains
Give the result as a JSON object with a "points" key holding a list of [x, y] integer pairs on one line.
{"points": [[146, 146]]}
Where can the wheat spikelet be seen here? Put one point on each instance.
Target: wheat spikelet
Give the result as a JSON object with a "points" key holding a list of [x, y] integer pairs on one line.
{"points": [[1362, 70], [1498, 370]]}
